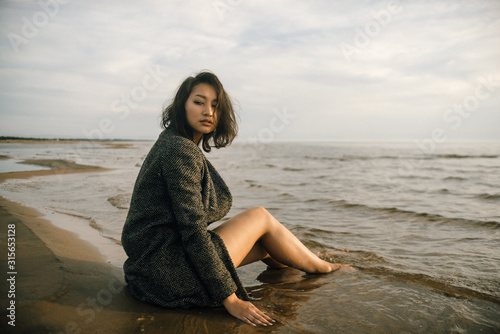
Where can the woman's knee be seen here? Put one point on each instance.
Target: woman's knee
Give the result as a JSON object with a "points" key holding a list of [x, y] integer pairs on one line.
{"points": [[259, 210], [260, 213], [264, 217]]}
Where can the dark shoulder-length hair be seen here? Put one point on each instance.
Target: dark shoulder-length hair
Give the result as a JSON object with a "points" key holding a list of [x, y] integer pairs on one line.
{"points": [[174, 115]]}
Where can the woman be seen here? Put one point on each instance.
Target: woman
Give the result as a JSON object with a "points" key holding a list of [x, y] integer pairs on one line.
{"points": [[173, 260]]}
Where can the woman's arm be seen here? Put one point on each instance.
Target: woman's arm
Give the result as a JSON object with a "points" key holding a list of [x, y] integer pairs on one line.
{"points": [[183, 170]]}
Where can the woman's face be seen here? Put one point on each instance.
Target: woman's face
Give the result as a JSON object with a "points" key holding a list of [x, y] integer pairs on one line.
{"points": [[200, 110]]}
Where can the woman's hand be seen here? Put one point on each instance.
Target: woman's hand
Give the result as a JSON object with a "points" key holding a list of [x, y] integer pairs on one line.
{"points": [[246, 311]]}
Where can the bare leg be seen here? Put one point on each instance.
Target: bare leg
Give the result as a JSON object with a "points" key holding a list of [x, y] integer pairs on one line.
{"points": [[255, 235], [259, 253]]}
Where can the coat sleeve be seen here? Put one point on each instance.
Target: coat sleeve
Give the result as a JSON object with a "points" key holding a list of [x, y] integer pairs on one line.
{"points": [[183, 172]]}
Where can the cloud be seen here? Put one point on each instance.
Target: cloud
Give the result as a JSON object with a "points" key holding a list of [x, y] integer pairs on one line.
{"points": [[397, 80]]}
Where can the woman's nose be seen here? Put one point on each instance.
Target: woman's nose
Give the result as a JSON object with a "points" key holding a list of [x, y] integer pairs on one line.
{"points": [[209, 110]]}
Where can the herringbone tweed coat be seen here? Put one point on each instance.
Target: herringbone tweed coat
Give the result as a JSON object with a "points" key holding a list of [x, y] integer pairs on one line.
{"points": [[173, 260]]}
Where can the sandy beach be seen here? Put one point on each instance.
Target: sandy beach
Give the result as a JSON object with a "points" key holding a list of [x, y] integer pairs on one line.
{"points": [[62, 284]]}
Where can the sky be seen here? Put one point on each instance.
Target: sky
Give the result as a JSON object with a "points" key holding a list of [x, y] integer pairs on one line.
{"points": [[296, 70]]}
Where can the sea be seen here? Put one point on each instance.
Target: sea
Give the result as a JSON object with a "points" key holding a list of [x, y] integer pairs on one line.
{"points": [[420, 225]]}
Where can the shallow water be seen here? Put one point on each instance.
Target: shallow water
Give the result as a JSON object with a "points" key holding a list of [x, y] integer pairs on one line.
{"points": [[421, 227], [11, 165]]}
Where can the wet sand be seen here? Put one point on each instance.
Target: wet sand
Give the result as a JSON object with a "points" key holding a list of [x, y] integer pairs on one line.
{"points": [[56, 167], [64, 285]]}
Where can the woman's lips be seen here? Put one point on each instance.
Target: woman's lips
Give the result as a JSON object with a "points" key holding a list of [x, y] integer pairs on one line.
{"points": [[206, 123]]}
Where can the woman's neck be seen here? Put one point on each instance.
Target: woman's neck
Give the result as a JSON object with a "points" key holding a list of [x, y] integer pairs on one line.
{"points": [[197, 138]]}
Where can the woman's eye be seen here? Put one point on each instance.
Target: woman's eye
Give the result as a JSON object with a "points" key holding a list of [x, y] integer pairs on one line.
{"points": [[198, 102]]}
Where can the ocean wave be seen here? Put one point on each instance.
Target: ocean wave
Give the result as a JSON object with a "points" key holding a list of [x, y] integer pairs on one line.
{"points": [[454, 178], [449, 156], [459, 156], [286, 196], [95, 225], [313, 244], [355, 157], [438, 284], [72, 214], [416, 156], [407, 214], [488, 197], [371, 262], [290, 169], [121, 201], [92, 222], [255, 185], [315, 231], [116, 241], [251, 184], [415, 177], [371, 258]]}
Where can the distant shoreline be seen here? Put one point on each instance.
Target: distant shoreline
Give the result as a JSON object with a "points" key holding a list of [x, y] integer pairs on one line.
{"points": [[246, 140], [13, 139]]}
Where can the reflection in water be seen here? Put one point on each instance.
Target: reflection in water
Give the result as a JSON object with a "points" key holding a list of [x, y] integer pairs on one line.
{"points": [[283, 292]]}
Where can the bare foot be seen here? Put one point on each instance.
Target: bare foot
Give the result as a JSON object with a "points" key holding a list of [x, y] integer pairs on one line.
{"points": [[326, 267], [344, 267], [327, 259]]}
